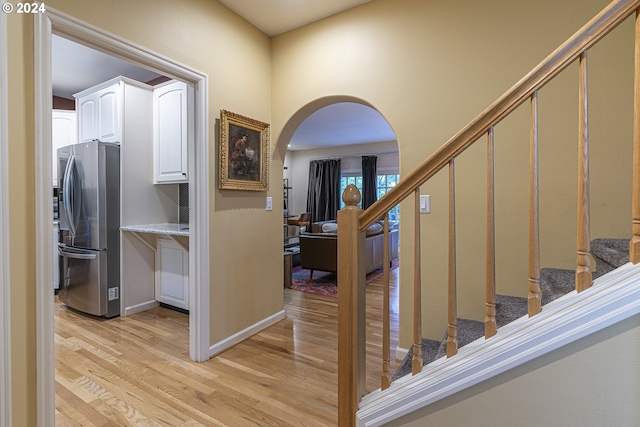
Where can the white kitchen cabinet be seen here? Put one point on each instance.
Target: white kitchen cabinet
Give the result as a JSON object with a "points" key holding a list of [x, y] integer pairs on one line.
{"points": [[172, 273], [171, 129], [63, 133], [101, 109]]}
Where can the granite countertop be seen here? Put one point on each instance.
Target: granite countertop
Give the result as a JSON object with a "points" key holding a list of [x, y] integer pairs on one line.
{"points": [[172, 229]]}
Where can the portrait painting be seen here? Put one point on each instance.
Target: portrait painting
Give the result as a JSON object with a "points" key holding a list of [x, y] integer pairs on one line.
{"points": [[244, 153]]}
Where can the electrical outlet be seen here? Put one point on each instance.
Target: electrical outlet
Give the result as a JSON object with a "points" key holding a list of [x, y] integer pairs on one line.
{"points": [[425, 204], [269, 204]]}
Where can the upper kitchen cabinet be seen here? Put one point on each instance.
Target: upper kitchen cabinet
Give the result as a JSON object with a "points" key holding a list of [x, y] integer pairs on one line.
{"points": [[63, 133], [101, 109], [172, 114]]}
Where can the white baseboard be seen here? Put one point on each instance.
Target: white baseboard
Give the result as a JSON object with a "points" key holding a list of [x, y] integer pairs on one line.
{"points": [[128, 311], [401, 353], [234, 339]]}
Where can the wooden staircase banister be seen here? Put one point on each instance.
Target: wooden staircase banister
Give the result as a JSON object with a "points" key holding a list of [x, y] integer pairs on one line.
{"points": [[353, 221], [561, 58]]}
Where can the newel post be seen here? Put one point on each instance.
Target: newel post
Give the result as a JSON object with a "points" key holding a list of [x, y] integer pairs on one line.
{"points": [[351, 308]]}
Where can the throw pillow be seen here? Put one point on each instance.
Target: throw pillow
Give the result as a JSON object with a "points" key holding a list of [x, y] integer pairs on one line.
{"points": [[374, 228], [330, 227]]}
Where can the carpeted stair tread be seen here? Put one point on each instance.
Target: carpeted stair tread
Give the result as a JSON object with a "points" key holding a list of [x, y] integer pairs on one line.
{"points": [[602, 268], [609, 255], [429, 352], [614, 252], [555, 282], [468, 331], [509, 308]]}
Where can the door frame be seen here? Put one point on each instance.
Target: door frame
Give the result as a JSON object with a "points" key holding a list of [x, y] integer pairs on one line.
{"points": [[5, 281], [55, 22]]}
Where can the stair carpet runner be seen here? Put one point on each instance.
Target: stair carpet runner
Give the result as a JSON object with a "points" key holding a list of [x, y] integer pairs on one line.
{"points": [[554, 283]]}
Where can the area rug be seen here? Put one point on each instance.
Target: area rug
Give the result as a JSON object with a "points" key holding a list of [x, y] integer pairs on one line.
{"points": [[324, 283]]}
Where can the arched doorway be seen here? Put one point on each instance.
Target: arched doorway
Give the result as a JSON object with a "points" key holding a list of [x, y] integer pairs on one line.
{"points": [[335, 127]]}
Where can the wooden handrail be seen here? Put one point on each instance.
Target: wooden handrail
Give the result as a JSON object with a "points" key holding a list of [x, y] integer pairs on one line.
{"points": [[567, 53]]}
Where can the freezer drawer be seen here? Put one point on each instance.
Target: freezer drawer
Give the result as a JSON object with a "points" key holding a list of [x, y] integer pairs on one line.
{"points": [[85, 283]]}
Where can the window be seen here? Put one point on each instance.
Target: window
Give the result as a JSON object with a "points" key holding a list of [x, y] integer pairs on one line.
{"points": [[346, 180], [385, 183]]}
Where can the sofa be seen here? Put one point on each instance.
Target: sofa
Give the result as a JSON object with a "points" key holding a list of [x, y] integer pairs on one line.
{"points": [[319, 248]]}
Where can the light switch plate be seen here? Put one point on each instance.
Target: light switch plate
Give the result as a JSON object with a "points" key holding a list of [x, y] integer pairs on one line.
{"points": [[269, 204], [425, 203]]}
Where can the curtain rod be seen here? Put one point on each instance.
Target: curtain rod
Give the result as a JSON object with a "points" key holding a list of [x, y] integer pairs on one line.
{"points": [[354, 155]]}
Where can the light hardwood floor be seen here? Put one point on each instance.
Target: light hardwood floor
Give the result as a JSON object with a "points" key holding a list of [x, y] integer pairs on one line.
{"points": [[135, 371]]}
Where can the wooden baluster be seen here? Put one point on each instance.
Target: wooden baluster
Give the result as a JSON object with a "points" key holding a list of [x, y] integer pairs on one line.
{"points": [[634, 245], [490, 325], [351, 308], [535, 295], [386, 323], [452, 328], [583, 272], [416, 360]]}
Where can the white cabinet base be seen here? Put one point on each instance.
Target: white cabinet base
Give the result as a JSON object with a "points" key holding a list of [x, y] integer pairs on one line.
{"points": [[172, 274]]}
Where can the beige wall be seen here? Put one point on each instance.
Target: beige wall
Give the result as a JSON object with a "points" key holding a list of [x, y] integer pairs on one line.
{"points": [[429, 67], [208, 37], [591, 383], [22, 227]]}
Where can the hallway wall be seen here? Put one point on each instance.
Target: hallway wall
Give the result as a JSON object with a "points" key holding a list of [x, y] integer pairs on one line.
{"points": [[430, 67]]}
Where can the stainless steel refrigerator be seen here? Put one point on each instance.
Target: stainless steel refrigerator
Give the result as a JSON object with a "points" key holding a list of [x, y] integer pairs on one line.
{"points": [[89, 236]]}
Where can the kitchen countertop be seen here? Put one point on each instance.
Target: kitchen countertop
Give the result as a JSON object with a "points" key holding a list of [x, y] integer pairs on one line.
{"points": [[171, 229]]}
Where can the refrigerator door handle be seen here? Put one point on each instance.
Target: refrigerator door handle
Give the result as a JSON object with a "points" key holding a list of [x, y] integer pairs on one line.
{"points": [[69, 185], [75, 255]]}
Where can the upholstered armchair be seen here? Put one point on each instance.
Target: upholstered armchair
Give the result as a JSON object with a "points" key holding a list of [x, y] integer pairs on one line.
{"points": [[302, 222]]}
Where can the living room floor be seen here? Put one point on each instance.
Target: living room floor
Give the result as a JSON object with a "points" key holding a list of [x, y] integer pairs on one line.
{"points": [[135, 370]]}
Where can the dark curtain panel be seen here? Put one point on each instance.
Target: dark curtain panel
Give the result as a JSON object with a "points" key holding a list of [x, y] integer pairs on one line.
{"points": [[323, 195], [369, 180]]}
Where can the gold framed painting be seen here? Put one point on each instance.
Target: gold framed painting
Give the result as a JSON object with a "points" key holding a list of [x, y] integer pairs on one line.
{"points": [[244, 153]]}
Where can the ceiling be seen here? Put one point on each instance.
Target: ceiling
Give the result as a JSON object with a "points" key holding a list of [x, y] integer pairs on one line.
{"points": [[76, 67], [345, 123], [274, 17]]}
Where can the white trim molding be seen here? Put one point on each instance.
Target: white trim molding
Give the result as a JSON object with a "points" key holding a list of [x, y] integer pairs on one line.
{"points": [[234, 339], [5, 294], [613, 298], [138, 308], [199, 242], [44, 225], [55, 22]]}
